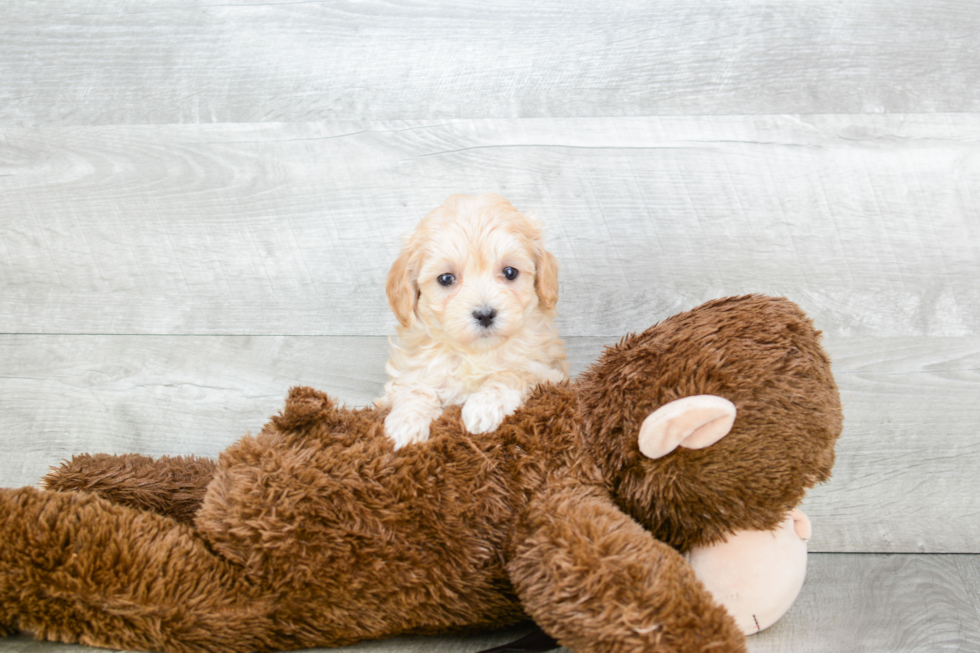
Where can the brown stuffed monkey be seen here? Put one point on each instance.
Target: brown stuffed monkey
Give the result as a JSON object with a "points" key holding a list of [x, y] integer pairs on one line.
{"points": [[576, 511]]}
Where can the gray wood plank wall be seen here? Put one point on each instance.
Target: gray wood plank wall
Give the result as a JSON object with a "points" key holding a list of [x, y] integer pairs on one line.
{"points": [[199, 202]]}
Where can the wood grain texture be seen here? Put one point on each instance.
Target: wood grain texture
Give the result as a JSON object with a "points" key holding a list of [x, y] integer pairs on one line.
{"points": [[871, 223], [895, 603], [161, 395], [969, 569], [185, 61], [904, 480], [849, 602]]}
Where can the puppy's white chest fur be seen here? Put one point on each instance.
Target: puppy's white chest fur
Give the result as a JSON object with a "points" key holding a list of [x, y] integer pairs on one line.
{"points": [[489, 386], [455, 375]]}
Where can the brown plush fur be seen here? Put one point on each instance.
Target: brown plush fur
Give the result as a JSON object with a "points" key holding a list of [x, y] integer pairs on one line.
{"points": [[316, 532], [170, 486]]}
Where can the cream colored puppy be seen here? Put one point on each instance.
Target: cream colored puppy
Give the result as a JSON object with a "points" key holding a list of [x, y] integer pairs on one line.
{"points": [[474, 292]]}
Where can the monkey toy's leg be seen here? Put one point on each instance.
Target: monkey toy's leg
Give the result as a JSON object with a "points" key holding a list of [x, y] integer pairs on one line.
{"points": [[76, 568], [169, 486]]}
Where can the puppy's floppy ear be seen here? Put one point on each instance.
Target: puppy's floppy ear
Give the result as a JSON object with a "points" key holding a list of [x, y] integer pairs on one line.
{"points": [[402, 289], [546, 277]]}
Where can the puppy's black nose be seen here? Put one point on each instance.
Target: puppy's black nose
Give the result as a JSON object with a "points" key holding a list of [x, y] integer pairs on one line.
{"points": [[485, 316]]}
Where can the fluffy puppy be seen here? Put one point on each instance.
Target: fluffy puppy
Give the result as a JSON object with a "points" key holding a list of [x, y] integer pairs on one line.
{"points": [[474, 292]]}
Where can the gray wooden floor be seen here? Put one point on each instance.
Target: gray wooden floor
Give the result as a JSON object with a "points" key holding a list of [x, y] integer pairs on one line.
{"points": [[199, 202]]}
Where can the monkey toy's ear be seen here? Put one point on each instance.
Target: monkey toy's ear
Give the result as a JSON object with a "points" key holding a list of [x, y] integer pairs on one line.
{"points": [[692, 422]]}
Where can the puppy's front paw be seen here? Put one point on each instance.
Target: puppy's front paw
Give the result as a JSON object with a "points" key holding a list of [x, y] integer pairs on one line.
{"points": [[405, 425], [485, 410]]}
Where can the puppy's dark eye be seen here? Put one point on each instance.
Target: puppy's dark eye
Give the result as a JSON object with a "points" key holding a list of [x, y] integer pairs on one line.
{"points": [[446, 279], [510, 273]]}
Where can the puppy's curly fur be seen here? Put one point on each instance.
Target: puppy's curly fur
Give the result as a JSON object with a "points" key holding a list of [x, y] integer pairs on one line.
{"points": [[474, 292]]}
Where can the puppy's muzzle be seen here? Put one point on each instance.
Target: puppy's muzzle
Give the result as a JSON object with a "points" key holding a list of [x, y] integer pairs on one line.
{"points": [[485, 316]]}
